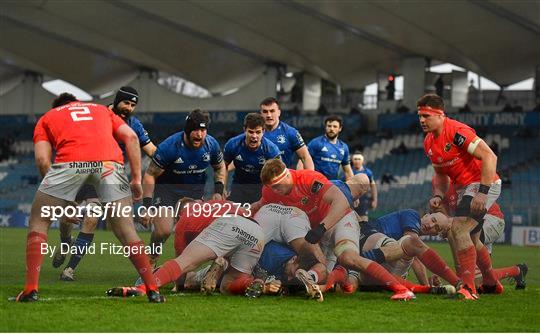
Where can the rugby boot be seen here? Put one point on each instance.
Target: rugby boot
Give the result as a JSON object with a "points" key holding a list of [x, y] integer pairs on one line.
{"points": [[212, 276], [520, 278], [29, 297], [59, 257], [68, 274], [404, 295], [155, 297], [125, 291], [313, 290]]}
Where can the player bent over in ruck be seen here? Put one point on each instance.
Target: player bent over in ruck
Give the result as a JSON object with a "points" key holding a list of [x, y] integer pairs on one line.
{"points": [[70, 130], [221, 232], [333, 223]]}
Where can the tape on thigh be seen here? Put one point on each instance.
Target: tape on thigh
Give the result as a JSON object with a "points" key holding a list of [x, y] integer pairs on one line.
{"points": [[344, 245]]}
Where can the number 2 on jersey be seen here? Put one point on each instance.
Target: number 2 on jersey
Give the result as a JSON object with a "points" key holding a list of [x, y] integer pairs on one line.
{"points": [[78, 111]]}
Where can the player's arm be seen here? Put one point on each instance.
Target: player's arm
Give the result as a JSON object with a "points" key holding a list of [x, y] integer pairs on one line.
{"points": [[374, 194], [43, 156], [305, 158], [149, 149], [149, 180], [481, 151], [441, 183], [149, 184], [346, 164], [220, 179], [133, 151], [347, 170], [339, 206]]}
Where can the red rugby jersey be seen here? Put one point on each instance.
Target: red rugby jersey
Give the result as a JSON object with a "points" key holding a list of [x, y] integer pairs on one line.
{"points": [[448, 153], [80, 131], [307, 194]]}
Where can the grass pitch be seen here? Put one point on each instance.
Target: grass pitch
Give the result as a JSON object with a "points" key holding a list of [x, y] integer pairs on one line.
{"points": [[82, 306]]}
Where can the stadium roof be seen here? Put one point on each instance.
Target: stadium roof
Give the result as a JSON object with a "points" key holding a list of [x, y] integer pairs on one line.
{"points": [[221, 45]]}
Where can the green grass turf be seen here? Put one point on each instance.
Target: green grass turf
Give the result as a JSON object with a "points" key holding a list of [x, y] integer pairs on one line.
{"points": [[81, 306]]}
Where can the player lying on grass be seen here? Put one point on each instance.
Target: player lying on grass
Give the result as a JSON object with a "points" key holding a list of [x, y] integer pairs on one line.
{"points": [[401, 225], [289, 225], [277, 267], [333, 223], [221, 230], [440, 224], [279, 223]]}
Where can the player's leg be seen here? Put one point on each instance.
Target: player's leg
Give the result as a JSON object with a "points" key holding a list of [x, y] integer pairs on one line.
{"points": [[311, 255], [113, 191], [58, 188], [249, 237], [490, 283], [222, 237], [84, 238], [346, 234], [36, 240], [163, 224], [65, 228], [124, 229], [413, 246], [517, 272]]}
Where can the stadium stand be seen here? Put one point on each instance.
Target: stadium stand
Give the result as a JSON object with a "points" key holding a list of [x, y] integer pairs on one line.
{"points": [[518, 164]]}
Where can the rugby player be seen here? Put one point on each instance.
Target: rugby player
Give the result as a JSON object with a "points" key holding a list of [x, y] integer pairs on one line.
{"points": [[365, 203], [205, 232], [70, 131], [440, 224], [329, 152], [401, 225], [248, 152], [286, 225], [289, 225], [177, 170], [332, 221], [287, 139], [459, 156], [125, 102]]}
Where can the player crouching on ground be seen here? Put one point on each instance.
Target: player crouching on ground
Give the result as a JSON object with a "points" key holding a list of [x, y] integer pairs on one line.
{"points": [[221, 233]]}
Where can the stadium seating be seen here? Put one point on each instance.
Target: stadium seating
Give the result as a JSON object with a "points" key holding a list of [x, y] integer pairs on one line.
{"points": [[518, 156]]}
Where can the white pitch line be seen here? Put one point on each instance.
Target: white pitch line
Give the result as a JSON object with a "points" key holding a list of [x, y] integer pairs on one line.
{"points": [[47, 299]]}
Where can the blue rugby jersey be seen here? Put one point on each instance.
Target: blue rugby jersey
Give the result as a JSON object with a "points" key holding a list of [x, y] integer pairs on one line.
{"points": [[287, 139], [395, 224], [184, 165], [248, 163], [327, 157]]}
